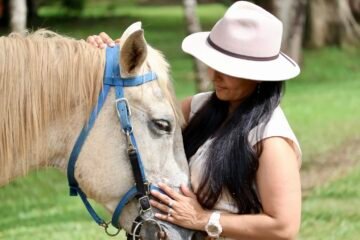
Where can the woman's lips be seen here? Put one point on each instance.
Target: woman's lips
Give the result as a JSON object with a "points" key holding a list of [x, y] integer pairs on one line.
{"points": [[219, 88]]}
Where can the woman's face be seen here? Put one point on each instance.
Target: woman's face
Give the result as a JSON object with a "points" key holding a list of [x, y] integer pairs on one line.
{"points": [[230, 88]]}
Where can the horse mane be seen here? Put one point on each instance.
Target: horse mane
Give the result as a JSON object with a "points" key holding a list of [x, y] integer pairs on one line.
{"points": [[43, 77]]}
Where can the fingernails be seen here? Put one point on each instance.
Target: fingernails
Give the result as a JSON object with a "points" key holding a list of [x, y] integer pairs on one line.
{"points": [[112, 44], [158, 215]]}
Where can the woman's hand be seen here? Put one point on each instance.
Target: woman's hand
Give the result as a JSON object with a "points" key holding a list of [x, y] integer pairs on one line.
{"points": [[182, 210], [102, 40]]}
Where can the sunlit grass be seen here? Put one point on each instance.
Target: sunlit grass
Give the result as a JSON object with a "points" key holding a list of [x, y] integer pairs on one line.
{"points": [[322, 104], [38, 207]]}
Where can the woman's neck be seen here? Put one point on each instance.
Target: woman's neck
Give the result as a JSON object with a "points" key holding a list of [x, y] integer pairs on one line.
{"points": [[233, 105]]}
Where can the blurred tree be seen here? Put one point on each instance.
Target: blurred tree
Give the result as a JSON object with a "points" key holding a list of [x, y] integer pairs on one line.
{"points": [[324, 22], [193, 25], [4, 17], [18, 13], [355, 8], [332, 22], [293, 15], [31, 8]]}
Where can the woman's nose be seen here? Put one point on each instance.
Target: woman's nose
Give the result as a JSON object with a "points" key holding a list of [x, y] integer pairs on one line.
{"points": [[217, 76]]}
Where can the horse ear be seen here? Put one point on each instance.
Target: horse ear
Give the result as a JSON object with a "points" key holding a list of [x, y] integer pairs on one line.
{"points": [[131, 29], [133, 53]]}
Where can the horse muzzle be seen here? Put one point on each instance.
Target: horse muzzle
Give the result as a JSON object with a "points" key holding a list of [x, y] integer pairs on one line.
{"points": [[157, 230]]}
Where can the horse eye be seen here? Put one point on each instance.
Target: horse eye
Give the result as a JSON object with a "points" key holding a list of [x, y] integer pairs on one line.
{"points": [[162, 125]]}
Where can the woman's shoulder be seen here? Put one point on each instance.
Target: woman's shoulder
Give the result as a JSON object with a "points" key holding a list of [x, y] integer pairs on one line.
{"points": [[278, 126], [197, 101]]}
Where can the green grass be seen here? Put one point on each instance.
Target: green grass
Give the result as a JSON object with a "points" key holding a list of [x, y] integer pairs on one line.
{"points": [[39, 207], [321, 105], [332, 211]]}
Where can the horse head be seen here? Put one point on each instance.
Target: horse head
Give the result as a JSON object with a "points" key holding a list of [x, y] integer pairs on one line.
{"points": [[56, 104], [156, 124]]}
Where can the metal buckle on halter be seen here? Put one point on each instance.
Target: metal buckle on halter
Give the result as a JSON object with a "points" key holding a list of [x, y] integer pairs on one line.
{"points": [[127, 131], [144, 203], [145, 207], [126, 103], [148, 187]]}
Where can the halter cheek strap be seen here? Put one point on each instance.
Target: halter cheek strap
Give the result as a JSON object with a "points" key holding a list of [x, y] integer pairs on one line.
{"points": [[141, 189]]}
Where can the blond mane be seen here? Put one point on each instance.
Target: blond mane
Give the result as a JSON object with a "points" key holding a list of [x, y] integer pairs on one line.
{"points": [[43, 76]]}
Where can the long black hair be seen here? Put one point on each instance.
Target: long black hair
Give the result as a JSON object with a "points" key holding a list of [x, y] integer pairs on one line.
{"points": [[231, 162]]}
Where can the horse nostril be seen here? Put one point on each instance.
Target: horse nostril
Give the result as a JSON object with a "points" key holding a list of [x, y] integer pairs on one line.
{"points": [[162, 235]]}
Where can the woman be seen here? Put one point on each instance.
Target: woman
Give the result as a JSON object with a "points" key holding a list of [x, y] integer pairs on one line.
{"points": [[244, 158]]}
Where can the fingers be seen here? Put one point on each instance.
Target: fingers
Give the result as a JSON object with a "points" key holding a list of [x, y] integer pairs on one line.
{"points": [[187, 192], [91, 41], [170, 192], [100, 41], [167, 211], [96, 41], [167, 218], [162, 207], [163, 198], [106, 39]]}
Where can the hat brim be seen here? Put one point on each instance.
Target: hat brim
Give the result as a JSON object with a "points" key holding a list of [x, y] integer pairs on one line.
{"points": [[280, 69]]}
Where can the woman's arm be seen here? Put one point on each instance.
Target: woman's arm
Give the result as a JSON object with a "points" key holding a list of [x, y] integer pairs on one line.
{"points": [[278, 182]]}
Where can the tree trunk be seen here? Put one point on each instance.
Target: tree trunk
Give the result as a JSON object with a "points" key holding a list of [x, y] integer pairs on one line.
{"points": [[31, 12], [193, 25], [331, 22], [355, 9], [4, 19], [350, 29], [18, 14], [292, 13]]}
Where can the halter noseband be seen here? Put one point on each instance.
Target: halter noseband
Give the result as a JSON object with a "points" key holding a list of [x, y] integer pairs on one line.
{"points": [[141, 189]]}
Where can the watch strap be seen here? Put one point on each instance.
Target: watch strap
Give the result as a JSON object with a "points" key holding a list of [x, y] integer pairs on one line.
{"points": [[214, 220]]}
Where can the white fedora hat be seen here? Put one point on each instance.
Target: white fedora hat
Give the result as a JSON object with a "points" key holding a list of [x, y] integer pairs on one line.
{"points": [[245, 43]]}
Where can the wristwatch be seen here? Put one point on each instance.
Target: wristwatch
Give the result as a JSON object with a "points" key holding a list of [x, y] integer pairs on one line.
{"points": [[213, 227]]}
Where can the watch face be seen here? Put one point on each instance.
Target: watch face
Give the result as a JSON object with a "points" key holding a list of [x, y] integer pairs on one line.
{"points": [[213, 229]]}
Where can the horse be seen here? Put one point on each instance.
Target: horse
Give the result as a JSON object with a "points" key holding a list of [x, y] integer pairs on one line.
{"points": [[49, 85]]}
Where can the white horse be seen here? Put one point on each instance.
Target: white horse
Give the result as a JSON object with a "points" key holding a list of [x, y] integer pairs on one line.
{"points": [[48, 87]]}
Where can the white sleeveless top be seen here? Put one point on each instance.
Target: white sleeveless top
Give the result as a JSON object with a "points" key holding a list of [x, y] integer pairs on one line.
{"points": [[277, 126]]}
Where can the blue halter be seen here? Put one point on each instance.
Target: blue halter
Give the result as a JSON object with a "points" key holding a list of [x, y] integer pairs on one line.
{"points": [[112, 78]]}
